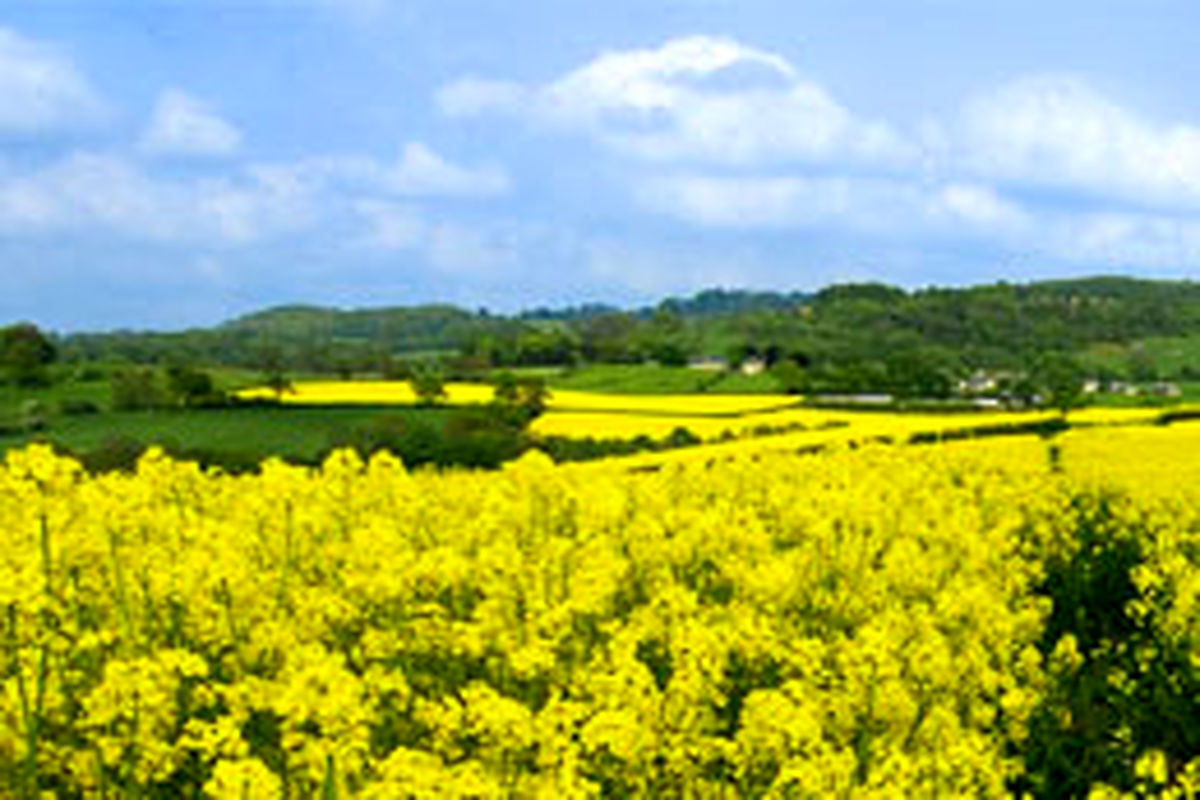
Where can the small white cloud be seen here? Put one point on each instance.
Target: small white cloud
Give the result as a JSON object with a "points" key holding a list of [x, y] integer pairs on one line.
{"points": [[863, 205], [659, 269], [422, 172], [41, 89], [735, 202], [1119, 240], [458, 249], [447, 246], [1058, 131], [977, 205], [418, 172], [878, 207], [697, 98], [184, 126], [468, 97], [391, 226]]}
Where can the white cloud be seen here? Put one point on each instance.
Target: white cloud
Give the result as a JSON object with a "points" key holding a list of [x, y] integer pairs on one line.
{"points": [[1122, 240], [391, 226], [447, 246], [1056, 131], [459, 249], [698, 98], [976, 205], [419, 172], [184, 126], [659, 269], [41, 89], [723, 202], [467, 97], [872, 206], [422, 172], [94, 192]]}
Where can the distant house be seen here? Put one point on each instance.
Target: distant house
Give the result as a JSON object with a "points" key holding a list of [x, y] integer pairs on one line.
{"points": [[854, 399], [979, 382], [1121, 387], [753, 366], [1165, 389], [709, 364]]}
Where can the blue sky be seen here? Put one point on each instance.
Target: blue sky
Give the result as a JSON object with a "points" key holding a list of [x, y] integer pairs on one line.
{"points": [[170, 163]]}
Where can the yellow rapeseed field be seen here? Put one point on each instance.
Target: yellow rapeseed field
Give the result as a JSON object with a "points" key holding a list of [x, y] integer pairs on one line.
{"points": [[367, 393], [958, 620]]}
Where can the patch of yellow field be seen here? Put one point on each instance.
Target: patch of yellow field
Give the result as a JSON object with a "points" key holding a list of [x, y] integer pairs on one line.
{"points": [[1156, 459], [367, 393], [682, 405], [401, 393]]}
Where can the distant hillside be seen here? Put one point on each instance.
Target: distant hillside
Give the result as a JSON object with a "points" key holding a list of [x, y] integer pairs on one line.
{"points": [[419, 328], [857, 330]]}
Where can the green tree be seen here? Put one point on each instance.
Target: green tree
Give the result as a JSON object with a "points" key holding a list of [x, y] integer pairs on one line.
{"points": [[136, 389], [25, 352], [191, 387], [1059, 380], [428, 386]]}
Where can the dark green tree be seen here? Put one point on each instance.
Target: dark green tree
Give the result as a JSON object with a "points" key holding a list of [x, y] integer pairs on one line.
{"points": [[25, 352], [136, 389], [428, 386], [190, 387], [1059, 380]]}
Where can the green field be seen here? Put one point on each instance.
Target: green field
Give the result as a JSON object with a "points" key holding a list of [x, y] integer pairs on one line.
{"points": [[1159, 355], [652, 379], [290, 432]]}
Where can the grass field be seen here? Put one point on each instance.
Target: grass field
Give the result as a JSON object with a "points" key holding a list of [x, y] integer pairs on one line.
{"points": [[1166, 355], [296, 432], [651, 379]]}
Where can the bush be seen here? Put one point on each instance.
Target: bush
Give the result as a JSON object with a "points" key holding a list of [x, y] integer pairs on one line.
{"points": [[77, 407], [481, 437], [136, 389]]}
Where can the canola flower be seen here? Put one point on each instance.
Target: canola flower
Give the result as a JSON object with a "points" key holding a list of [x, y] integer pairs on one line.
{"points": [[880, 622]]}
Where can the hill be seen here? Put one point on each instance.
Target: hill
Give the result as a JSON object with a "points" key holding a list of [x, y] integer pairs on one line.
{"points": [[848, 336]]}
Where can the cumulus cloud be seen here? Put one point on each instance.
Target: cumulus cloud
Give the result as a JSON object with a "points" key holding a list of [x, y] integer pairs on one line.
{"points": [[1060, 132], [698, 98], [41, 89], [182, 125]]}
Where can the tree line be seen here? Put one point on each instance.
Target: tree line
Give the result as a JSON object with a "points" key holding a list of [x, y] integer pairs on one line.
{"points": [[850, 338]]}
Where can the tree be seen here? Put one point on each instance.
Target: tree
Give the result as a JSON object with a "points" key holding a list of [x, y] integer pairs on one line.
{"points": [[522, 399], [271, 363], [136, 389], [428, 386], [192, 387], [278, 383], [790, 377], [25, 352], [1059, 380]]}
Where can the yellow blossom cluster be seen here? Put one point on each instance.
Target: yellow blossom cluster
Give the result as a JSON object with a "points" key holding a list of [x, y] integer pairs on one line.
{"points": [[866, 622]]}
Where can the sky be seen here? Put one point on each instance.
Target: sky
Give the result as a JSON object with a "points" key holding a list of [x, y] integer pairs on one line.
{"points": [[172, 163]]}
